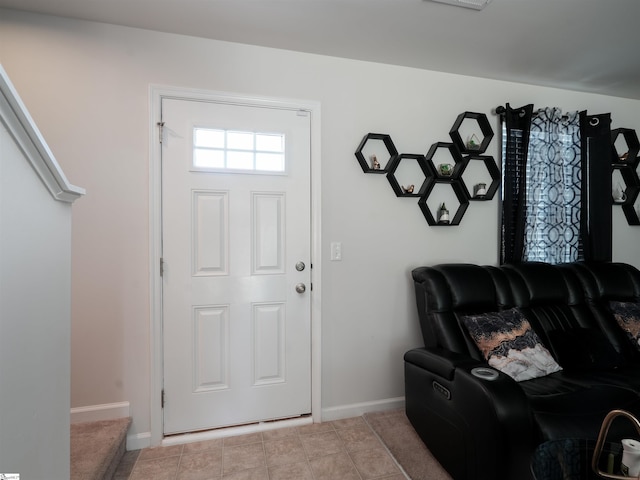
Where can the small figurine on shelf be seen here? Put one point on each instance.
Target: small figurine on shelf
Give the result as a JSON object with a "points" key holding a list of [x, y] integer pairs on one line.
{"points": [[443, 214], [619, 195], [624, 157], [375, 164], [480, 190], [408, 189], [446, 169], [473, 143]]}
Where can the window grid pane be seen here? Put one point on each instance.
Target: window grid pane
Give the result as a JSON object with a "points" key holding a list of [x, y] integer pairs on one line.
{"points": [[269, 143], [208, 158], [240, 141], [238, 160], [207, 137], [234, 150]]}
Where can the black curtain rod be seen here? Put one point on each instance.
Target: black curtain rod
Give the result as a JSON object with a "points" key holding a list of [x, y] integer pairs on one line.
{"points": [[501, 110]]}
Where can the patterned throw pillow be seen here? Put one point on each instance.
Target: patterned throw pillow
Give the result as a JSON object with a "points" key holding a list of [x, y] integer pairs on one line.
{"points": [[627, 314], [510, 345]]}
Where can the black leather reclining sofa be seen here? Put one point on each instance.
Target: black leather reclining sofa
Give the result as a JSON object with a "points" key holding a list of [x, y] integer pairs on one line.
{"points": [[480, 427]]}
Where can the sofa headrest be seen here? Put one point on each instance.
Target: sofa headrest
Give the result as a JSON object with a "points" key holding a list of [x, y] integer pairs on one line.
{"points": [[457, 287], [609, 281], [534, 283]]}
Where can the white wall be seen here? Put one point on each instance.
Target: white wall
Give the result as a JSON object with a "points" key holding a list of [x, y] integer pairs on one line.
{"points": [[87, 86], [35, 281]]}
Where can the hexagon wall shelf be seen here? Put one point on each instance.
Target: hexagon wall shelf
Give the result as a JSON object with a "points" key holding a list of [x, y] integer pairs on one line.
{"points": [[626, 163], [485, 128], [494, 173], [633, 146], [454, 154], [629, 177], [384, 161], [419, 185], [631, 211], [461, 195]]}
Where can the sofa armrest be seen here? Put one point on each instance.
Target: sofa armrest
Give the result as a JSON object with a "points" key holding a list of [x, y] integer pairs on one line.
{"points": [[440, 361], [478, 428]]}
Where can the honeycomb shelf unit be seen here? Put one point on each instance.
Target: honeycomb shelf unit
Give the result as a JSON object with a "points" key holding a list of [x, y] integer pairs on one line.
{"points": [[377, 154], [445, 163], [477, 125], [625, 164]]}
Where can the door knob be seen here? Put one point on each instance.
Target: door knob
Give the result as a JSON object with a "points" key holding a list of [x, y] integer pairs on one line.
{"points": [[300, 288], [300, 266]]}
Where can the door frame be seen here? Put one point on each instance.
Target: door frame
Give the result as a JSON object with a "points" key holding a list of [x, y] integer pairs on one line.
{"points": [[156, 94]]}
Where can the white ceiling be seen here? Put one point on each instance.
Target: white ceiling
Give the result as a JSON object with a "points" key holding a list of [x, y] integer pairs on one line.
{"points": [[584, 45]]}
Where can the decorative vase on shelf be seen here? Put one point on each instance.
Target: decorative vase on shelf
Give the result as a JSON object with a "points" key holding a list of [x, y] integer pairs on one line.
{"points": [[480, 190], [446, 169], [619, 195], [473, 143], [443, 214]]}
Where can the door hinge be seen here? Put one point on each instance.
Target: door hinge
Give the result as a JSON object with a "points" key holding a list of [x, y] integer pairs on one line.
{"points": [[162, 399], [161, 266], [160, 131]]}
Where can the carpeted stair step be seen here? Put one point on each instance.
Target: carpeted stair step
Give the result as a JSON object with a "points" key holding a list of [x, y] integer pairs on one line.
{"points": [[97, 448]]}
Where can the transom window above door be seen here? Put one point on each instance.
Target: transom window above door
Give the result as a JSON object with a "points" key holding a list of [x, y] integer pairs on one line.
{"points": [[229, 150]]}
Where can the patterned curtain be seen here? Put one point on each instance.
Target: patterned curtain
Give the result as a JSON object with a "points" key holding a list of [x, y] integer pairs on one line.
{"points": [[556, 186], [553, 188], [515, 143], [597, 224]]}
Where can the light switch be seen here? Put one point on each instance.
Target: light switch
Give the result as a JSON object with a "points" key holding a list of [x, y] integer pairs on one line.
{"points": [[336, 251]]}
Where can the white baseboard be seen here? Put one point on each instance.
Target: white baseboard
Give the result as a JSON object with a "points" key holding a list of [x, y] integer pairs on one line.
{"points": [[357, 409], [138, 441], [143, 440], [94, 413]]}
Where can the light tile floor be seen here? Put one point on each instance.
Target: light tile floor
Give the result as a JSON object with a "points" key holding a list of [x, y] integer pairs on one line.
{"points": [[340, 450]]}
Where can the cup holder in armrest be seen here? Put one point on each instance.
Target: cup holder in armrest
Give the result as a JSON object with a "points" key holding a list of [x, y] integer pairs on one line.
{"points": [[484, 373]]}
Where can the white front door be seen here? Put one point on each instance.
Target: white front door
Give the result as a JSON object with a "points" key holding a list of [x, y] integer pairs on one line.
{"points": [[237, 267]]}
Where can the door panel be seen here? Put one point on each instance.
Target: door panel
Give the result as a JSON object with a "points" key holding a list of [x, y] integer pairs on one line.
{"points": [[236, 332]]}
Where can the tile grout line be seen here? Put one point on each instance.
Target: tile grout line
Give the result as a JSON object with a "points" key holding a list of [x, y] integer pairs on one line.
{"points": [[346, 450], [133, 467], [313, 475], [386, 449], [179, 462], [306, 454], [222, 474], [299, 436], [264, 452]]}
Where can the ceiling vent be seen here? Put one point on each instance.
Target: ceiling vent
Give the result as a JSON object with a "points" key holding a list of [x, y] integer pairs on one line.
{"points": [[475, 4]]}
